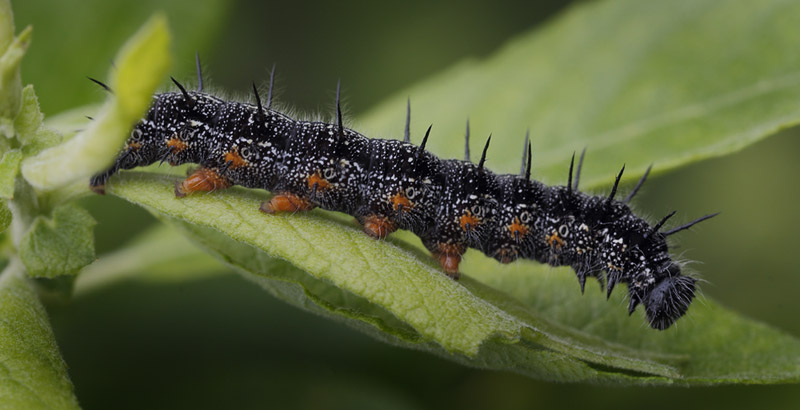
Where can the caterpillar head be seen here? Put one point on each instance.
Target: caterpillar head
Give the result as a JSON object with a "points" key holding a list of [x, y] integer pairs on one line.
{"points": [[138, 151], [669, 298]]}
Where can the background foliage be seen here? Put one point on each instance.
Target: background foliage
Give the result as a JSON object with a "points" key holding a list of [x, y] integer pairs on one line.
{"points": [[205, 340]]}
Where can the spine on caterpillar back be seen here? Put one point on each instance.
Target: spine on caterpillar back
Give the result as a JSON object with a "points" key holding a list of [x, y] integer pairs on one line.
{"points": [[387, 185]]}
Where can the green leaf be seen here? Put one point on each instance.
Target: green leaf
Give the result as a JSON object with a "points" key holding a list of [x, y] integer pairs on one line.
{"points": [[29, 118], [60, 245], [67, 122], [9, 168], [10, 59], [32, 373], [30, 131], [6, 24], [158, 254], [392, 291], [5, 216], [82, 40], [142, 63], [635, 82]]}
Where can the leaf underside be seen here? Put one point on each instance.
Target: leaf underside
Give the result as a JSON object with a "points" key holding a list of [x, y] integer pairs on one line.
{"points": [[390, 290]]}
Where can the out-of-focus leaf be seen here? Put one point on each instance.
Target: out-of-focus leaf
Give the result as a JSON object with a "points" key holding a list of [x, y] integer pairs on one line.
{"points": [[83, 40], [143, 62], [5, 216], [32, 373], [6, 25], [158, 254], [60, 245], [11, 52], [635, 82], [72, 121]]}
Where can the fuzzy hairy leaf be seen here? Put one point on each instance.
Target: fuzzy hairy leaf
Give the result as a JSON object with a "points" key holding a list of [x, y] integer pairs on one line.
{"points": [[391, 291], [29, 118], [32, 373], [60, 245], [9, 168], [30, 131]]}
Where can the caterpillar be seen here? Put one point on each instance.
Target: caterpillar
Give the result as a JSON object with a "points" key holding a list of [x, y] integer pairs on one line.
{"points": [[388, 185]]}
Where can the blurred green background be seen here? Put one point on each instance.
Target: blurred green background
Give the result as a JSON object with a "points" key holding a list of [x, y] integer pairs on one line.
{"points": [[220, 342]]}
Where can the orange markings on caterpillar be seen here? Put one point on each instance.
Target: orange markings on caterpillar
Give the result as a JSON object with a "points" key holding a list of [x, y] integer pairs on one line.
{"points": [[517, 229], [176, 144], [469, 221], [555, 241], [316, 179], [234, 159], [400, 202]]}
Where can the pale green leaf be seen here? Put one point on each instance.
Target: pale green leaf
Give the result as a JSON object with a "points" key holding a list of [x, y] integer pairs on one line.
{"points": [[634, 82], [10, 81], [6, 24], [30, 132], [394, 292], [9, 168], [5, 216], [60, 245], [42, 138], [158, 254], [142, 63], [67, 122], [82, 40], [297, 247], [32, 373], [29, 118]]}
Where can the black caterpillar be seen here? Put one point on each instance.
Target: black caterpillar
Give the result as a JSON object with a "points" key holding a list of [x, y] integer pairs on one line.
{"points": [[388, 185]]}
